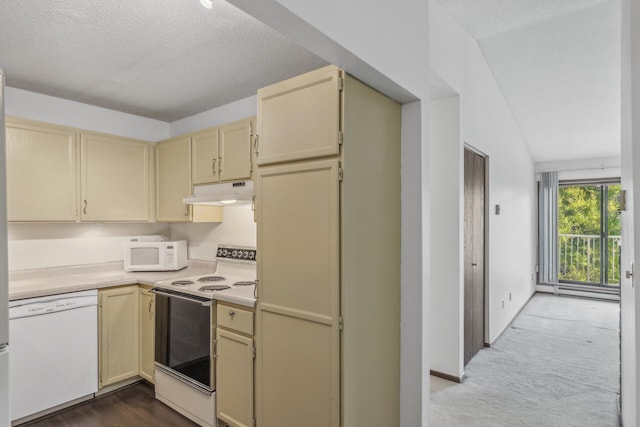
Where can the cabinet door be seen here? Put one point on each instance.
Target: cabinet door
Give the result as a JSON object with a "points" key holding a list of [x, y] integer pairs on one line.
{"points": [[173, 179], [235, 151], [147, 310], [297, 333], [234, 379], [204, 157], [115, 179], [299, 118], [118, 314], [41, 172]]}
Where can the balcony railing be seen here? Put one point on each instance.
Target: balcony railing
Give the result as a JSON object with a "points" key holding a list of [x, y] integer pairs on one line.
{"points": [[579, 258]]}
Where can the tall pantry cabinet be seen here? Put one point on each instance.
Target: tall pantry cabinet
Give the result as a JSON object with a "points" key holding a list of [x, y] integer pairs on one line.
{"points": [[328, 220]]}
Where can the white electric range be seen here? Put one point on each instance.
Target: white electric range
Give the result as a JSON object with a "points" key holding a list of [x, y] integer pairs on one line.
{"points": [[233, 281], [185, 331]]}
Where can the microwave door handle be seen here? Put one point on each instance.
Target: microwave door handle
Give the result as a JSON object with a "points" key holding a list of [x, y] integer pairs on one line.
{"points": [[206, 303]]}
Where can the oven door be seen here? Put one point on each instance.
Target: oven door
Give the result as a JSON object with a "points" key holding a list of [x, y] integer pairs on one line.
{"points": [[183, 338]]}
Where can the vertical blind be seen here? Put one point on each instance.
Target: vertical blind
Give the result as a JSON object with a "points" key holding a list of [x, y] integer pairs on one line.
{"points": [[548, 227]]}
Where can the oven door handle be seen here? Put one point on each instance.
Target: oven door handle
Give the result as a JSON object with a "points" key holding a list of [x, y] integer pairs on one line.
{"points": [[204, 302]]}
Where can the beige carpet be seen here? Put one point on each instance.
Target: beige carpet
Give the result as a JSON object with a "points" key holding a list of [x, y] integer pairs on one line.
{"points": [[557, 365]]}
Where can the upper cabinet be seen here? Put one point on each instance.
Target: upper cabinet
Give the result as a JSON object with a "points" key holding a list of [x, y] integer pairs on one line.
{"points": [[300, 117], [41, 172], [204, 156], [173, 179], [114, 179], [60, 174], [235, 151], [222, 154]]}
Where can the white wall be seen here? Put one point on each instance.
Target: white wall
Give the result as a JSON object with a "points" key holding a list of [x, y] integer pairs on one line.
{"points": [[630, 295], [56, 245], [447, 234], [228, 113], [488, 126], [237, 228], [35, 106], [384, 44]]}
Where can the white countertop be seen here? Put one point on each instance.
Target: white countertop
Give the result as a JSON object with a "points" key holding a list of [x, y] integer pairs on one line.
{"points": [[52, 281]]}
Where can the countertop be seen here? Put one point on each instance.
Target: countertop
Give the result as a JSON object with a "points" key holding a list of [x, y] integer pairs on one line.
{"points": [[52, 281]]}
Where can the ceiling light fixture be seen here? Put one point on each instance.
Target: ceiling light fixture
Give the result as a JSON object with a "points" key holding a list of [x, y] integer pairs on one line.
{"points": [[207, 3]]}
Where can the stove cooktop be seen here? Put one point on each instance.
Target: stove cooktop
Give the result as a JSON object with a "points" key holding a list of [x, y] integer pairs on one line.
{"points": [[236, 288], [233, 281]]}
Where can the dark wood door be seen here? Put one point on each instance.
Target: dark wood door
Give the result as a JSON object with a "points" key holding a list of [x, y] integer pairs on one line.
{"points": [[474, 195]]}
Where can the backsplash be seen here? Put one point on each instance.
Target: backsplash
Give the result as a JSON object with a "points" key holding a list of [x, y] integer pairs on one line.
{"points": [[237, 228], [33, 246], [45, 245]]}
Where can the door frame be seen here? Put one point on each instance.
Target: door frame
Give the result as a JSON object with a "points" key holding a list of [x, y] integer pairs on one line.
{"points": [[487, 234], [603, 184]]}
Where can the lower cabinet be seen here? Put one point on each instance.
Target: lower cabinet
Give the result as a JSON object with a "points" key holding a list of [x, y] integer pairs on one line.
{"points": [[126, 323], [147, 308], [234, 366], [118, 331]]}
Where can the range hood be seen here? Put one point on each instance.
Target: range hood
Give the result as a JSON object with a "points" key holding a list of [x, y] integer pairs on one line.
{"points": [[225, 194]]}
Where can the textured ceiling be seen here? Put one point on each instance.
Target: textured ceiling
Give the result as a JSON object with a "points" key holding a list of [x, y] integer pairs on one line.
{"points": [[164, 59], [558, 66]]}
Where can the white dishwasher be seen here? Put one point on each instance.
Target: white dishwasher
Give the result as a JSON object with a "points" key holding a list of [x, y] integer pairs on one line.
{"points": [[54, 351]]}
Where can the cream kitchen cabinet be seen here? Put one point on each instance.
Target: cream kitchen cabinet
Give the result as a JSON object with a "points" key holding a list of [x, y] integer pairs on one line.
{"points": [[235, 150], [234, 366], [118, 319], [42, 171], [173, 179], [222, 154], [114, 178], [204, 157], [328, 223], [300, 118], [146, 330]]}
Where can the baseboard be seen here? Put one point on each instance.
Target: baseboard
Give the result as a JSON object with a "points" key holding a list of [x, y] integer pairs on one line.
{"points": [[447, 376], [493, 341], [113, 387], [568, 290]]}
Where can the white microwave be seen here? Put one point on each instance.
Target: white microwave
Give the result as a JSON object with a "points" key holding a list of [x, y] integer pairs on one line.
{"points": [[155, 256]]}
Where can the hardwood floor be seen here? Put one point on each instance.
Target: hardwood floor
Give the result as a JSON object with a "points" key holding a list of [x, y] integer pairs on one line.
{"points": [[131, 406]]}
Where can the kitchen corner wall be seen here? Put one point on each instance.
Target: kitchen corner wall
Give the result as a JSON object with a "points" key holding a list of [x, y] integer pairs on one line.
{"points": [[44, 245], [237, 228], [57, 245]]}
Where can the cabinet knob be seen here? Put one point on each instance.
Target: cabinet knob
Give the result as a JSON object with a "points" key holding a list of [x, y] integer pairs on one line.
{"points": [[232, 313]]}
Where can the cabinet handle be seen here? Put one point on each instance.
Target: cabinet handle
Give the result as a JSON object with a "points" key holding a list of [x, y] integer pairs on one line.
{"points": [[232, 313], [213, 166], [150, 302], [253, 203], [220, 164], [215, 348], [186, 210], [255, 144], [84, 210]]}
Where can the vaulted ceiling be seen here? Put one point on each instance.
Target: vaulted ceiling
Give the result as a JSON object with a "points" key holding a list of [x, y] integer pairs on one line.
{"points": [[558, 64]]}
